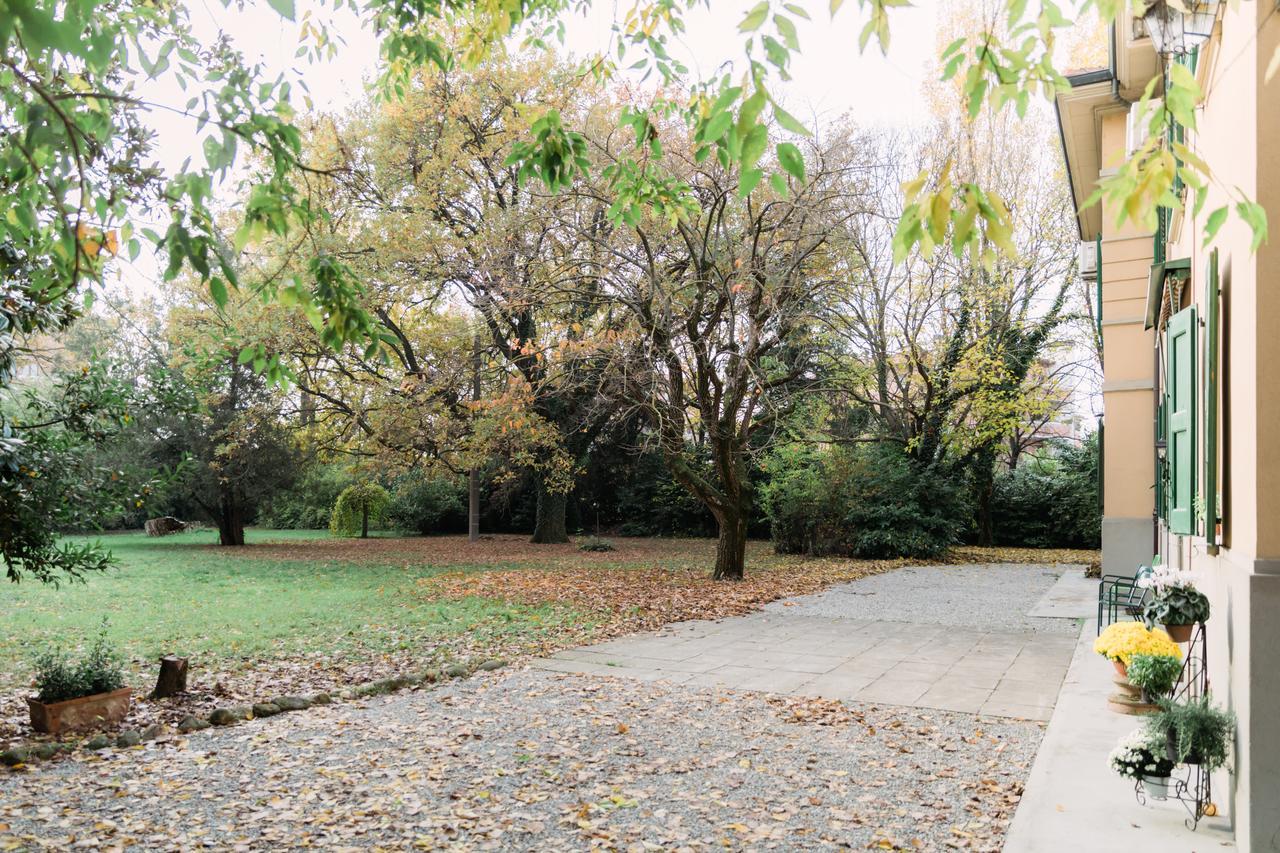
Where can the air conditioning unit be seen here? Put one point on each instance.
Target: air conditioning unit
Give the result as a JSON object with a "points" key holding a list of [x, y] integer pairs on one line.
{"points": [[1139, 121], [1088, 254]]}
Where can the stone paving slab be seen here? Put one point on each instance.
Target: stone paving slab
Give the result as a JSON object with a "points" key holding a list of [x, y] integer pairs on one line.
{"points": [[1009, 674], [1073, 596]]}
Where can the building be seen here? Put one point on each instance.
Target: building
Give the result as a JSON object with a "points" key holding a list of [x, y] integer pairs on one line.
{"points": [[1191, 386]]}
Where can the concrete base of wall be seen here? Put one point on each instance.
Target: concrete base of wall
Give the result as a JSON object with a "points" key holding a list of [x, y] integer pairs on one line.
{"points": [[1126, 544]]}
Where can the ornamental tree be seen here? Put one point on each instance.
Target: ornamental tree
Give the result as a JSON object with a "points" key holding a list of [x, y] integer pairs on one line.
{"points": [[356, 507]]}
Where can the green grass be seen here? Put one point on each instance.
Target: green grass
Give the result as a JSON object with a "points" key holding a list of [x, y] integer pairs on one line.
{"points": [[180, 595]]}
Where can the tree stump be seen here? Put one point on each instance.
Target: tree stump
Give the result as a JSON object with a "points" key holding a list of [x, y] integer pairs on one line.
{"points": [[173, 677]]}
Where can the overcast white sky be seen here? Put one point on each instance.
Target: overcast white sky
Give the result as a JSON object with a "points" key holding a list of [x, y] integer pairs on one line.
{"points": [[830, 76]]}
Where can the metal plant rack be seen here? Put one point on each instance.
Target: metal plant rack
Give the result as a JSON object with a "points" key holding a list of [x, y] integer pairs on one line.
{"points": [[1189, 783]]}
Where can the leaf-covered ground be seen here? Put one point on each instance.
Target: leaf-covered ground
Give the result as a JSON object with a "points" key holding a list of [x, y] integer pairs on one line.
{"points": [[529, 760], [298, 612]]}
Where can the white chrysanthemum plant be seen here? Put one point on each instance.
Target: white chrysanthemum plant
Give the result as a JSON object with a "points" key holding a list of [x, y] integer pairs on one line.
{"points": [[1140, 755]]}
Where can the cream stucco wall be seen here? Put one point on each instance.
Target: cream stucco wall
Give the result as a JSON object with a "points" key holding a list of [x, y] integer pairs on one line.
{"points": [[1129, 459], [1239, 136], [1237, 126]]}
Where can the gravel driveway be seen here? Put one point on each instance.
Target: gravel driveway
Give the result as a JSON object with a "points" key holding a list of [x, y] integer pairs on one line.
{"points": [[986, 598], [532, 760]]}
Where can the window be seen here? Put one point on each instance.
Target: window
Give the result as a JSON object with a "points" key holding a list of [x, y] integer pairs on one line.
{"points": [[1180, 413]]}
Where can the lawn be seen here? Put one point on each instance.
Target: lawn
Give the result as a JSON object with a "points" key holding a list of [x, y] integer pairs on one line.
{"points": [[298, 611]]}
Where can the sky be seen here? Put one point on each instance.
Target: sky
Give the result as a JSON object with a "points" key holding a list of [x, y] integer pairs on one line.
{"points": [[830, 76]]}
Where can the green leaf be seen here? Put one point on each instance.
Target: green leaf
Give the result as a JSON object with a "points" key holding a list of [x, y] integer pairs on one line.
{"points": [[754, 145], [284, 8], [789, 122], [1214, 223], [787, 30], [779, 184], [755, 17], [714, 129], [1255, 217], [792, 160], [750, 178], [218, 290]]}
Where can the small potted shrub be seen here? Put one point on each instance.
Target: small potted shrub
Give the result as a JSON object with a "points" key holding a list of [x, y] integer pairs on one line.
{"points": [[81, 694], [1176, 604], [1194, 732], [1155, 675], [1141, 755], [1122, 640]]}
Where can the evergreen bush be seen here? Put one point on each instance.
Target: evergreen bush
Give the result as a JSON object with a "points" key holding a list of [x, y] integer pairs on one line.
{"points": [[425, 504]]}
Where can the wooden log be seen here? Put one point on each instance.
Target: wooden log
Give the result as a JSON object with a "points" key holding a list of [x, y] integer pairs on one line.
{"points": [[173, 677]]}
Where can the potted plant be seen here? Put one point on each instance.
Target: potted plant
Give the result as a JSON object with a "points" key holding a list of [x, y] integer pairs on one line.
{"points": [[1154, 675], [1176, 604], [79, 694], [1141, 755], [1122, 640], [1194, 732]]}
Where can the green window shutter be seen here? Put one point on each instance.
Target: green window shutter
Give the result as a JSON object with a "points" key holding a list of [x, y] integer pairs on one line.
{"points": [[1162, 468], [1211, 402], [1182, 420]]}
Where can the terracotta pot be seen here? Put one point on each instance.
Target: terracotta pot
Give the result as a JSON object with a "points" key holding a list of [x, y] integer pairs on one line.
{"points": [[1180, 633], [87, 712], [1121, 667]]}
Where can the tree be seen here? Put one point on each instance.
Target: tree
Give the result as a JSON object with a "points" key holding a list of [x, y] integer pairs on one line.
{"points": [[356, 506], [725, 317], [79, 164], [213, 418], [429, 210], [951, 339], [51, 479]]}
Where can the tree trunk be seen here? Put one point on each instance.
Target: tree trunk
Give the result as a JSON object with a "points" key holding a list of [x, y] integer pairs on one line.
{"points": [[364, 522], [473, 476], [230, 521], [473, 505], [549, 527], [984, 486], [731, 549], [173, 677]]}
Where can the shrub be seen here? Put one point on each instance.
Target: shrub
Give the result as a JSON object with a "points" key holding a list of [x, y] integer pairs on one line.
{"points": [[596, 543], [58, 678], [357, 508], [1155, 674], [424, 504], [866, 501], [1050, 502], [308, 504], [1197, 732], [651, 503]]}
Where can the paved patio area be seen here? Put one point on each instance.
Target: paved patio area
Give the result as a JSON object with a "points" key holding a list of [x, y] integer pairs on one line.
{"points": [[927, 664]]}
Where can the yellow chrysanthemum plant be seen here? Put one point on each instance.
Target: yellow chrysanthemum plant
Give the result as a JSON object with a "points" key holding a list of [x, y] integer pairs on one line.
{"points": [[1122, 640]]}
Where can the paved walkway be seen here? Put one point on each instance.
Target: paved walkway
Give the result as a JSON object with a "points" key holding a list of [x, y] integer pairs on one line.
{"points": [[913, 654], [1072, 793]]}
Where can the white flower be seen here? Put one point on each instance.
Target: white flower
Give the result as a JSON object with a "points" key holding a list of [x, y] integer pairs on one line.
{"points": [[1166, 577]]}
